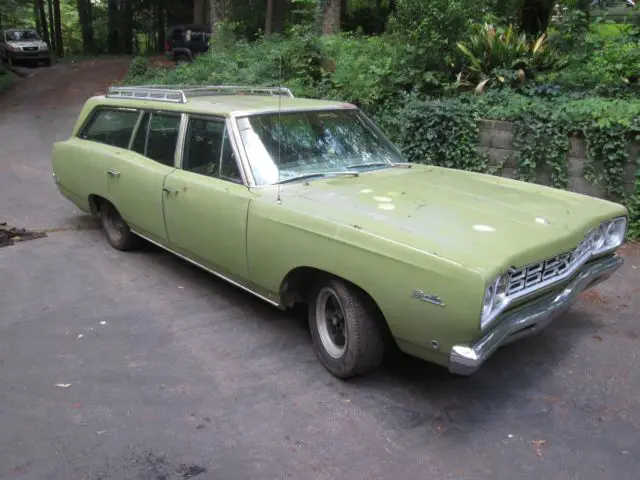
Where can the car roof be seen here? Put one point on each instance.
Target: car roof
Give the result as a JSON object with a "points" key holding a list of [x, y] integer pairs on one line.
{"points": [[226, 105]]}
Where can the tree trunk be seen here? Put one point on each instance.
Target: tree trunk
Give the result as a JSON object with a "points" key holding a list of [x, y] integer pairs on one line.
{"points": [[268, 24], [58, 28], [36, 15], [198, 12], [214, 15], [113, 15], [126, 26], [43, 20], [279, 15], [331, 17], [52, 40], [86, 25], [535, 16], [160, 26]]}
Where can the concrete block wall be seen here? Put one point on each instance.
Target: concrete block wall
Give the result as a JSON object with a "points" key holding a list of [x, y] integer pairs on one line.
{"points": [[497, 141]]}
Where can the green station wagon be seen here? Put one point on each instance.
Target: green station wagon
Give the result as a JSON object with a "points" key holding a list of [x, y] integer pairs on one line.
{"points": [[306, 201]]}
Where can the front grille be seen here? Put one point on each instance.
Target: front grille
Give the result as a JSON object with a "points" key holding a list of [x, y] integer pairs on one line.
{"points": [[30, 49], [546, 272]]}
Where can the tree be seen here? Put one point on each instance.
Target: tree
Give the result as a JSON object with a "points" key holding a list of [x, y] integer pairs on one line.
{"points": [[331, 16], [86, 25], [52, 41], [535, 15], [268, 24], [42, 17], [113, 17], [57, 27]]}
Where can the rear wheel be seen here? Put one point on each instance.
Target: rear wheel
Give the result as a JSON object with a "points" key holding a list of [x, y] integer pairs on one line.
{"points": [[345, 329], [116, 229]]}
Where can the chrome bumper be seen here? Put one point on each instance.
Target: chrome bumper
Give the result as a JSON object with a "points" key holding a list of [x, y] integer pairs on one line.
{"points": [[529, 319]]}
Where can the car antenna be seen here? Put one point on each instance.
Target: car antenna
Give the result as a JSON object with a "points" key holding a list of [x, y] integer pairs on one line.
{"points": [[279, 128]]}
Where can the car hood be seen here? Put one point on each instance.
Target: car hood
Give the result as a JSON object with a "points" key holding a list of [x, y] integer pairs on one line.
{"points": [[27, 43], [482, 222]]}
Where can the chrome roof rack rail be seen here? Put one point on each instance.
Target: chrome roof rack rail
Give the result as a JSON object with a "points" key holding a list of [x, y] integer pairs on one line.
{"points": [[235, 89], [180, 93], [148, 92]]}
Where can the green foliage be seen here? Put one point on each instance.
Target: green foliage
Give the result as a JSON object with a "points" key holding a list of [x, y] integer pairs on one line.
{"points": [[434, 27], [395, 77], [6, 79], [499, 54], [138, 67], [443, 133]]}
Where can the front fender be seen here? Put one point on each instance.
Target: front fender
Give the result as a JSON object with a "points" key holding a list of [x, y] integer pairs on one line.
{"points": [[281, 239]]}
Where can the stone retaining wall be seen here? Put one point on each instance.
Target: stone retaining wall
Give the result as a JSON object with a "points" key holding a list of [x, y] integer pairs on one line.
{"points": [[496, 140]]}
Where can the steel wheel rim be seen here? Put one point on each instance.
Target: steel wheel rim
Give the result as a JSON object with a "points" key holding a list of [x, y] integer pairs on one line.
{"points": [[332, 325], [114, 225]]}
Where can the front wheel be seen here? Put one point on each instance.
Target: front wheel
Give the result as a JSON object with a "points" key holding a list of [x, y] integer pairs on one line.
{"points": [[116, 229], [345, 330]]}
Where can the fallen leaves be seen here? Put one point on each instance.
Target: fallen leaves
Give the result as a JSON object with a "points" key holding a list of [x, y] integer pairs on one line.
{"points": [[538, 447]]}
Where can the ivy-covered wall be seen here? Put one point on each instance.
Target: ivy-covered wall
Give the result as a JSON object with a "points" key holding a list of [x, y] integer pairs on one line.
{"points": [[497, 141]]}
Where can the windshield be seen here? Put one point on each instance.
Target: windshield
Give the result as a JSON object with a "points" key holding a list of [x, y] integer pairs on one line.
{"points": [[22, 35], [309, 142]]}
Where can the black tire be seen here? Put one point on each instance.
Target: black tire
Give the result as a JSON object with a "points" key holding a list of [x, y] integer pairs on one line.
{"points": [[116, 229], [47, 63], [360, 346]]}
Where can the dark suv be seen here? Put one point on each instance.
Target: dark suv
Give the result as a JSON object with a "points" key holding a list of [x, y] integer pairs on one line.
{"points": [[184, 42]]}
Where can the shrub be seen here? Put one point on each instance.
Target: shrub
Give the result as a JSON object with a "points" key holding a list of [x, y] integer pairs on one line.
{"points": [[6, 79], [499, 54]]}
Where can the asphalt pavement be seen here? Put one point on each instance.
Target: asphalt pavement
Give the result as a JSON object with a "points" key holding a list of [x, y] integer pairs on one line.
{"points": [[139, 366]]}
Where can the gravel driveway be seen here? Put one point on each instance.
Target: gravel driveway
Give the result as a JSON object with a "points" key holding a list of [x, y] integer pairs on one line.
{"points": [[138, 366]]}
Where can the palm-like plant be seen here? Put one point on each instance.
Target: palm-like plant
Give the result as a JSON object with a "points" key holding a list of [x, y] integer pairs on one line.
{"points": [[491, 52]]}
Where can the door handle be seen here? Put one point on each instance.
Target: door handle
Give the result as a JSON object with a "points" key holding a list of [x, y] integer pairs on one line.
{"points": [[113, 173], [169, 190]]}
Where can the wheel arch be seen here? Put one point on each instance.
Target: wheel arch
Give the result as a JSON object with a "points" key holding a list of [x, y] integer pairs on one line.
{"points": [[94, 203], [298, 282]]}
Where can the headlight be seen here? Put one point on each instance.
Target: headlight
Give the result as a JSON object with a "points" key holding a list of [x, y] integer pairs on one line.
{"points": [[495, 299], [599, 237], [44, 48], [616, 232], [609, 235], [14, 48]]}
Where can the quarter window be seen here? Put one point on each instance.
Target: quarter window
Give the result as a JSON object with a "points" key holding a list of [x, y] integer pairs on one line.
{"points": [[111, 127]]}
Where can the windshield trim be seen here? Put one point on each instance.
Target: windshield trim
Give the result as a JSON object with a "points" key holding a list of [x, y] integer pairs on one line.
{"points": [[244, 157]]}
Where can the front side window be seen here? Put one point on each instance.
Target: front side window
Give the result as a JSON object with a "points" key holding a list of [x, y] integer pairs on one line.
{"points": [[111, 127], [208, 150], [288, 145]]}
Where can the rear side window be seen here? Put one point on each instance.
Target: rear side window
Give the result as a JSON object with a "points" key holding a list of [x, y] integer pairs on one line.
{"points": [[111, 127], [163, 137]]}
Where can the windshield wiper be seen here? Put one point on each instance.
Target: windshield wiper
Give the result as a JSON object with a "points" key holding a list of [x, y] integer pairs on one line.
{"points": [[379, 164], [317, 174]]}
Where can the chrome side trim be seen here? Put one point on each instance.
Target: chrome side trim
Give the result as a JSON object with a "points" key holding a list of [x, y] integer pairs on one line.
{"points": [[529, 319], [213, 272]]}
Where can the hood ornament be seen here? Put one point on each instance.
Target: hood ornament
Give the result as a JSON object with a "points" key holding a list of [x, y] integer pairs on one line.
{"points": [[425, 297]]}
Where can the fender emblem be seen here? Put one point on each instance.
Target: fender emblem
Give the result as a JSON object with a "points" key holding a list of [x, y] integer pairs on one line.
{"points": [[420, 295]]}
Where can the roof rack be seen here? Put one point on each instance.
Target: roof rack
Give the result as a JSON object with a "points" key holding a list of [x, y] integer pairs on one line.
{"points": [[180, 94]]}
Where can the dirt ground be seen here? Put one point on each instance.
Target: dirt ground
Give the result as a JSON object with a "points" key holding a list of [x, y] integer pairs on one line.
{"points": [[138, 366]]}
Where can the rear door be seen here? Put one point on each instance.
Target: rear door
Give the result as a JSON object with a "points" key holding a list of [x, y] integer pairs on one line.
{"points": [[136, 179], [206, 204]]}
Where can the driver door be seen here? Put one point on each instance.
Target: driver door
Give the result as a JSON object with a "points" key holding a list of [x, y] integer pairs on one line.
{"points": [[206, 202]]}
